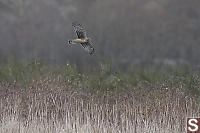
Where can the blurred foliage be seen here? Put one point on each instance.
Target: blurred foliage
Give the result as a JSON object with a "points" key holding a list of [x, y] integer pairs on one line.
{"points": [[136, 31], [102, 77]]}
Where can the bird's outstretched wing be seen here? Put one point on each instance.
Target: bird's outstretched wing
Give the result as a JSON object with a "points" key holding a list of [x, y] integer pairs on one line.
{"points": [[80, 31], [88, 47]]}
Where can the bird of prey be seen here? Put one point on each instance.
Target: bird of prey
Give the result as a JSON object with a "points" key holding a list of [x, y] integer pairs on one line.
{"points": [[82, 39]]}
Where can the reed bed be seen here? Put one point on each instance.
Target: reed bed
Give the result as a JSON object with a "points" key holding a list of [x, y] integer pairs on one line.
{"points": [[53, 105], [40, 98]]}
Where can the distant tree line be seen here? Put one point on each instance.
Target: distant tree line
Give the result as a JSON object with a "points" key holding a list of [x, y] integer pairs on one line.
{"points": [[131, 31]]}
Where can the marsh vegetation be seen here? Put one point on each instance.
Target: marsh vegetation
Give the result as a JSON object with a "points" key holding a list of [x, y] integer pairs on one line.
{"points": [[41, 98]]}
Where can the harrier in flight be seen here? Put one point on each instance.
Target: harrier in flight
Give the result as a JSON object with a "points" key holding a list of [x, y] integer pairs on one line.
{"points": [[82, 39]]}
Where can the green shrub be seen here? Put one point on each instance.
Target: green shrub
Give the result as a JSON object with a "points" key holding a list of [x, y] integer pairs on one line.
{"points": [[102, 77]]}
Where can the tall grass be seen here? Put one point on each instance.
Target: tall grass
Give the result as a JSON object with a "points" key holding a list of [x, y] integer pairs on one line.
{"points": [[40, 98]]}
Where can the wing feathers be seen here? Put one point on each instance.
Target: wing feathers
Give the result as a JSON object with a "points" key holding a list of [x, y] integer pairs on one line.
{"points": [[88, 47], [79, 30]]}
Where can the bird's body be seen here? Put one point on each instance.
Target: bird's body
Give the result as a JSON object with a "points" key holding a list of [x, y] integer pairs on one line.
{"points": [[82, 38]]}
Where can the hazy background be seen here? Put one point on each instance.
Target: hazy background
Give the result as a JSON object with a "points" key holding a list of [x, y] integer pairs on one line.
{"points": [[123, 31]]}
